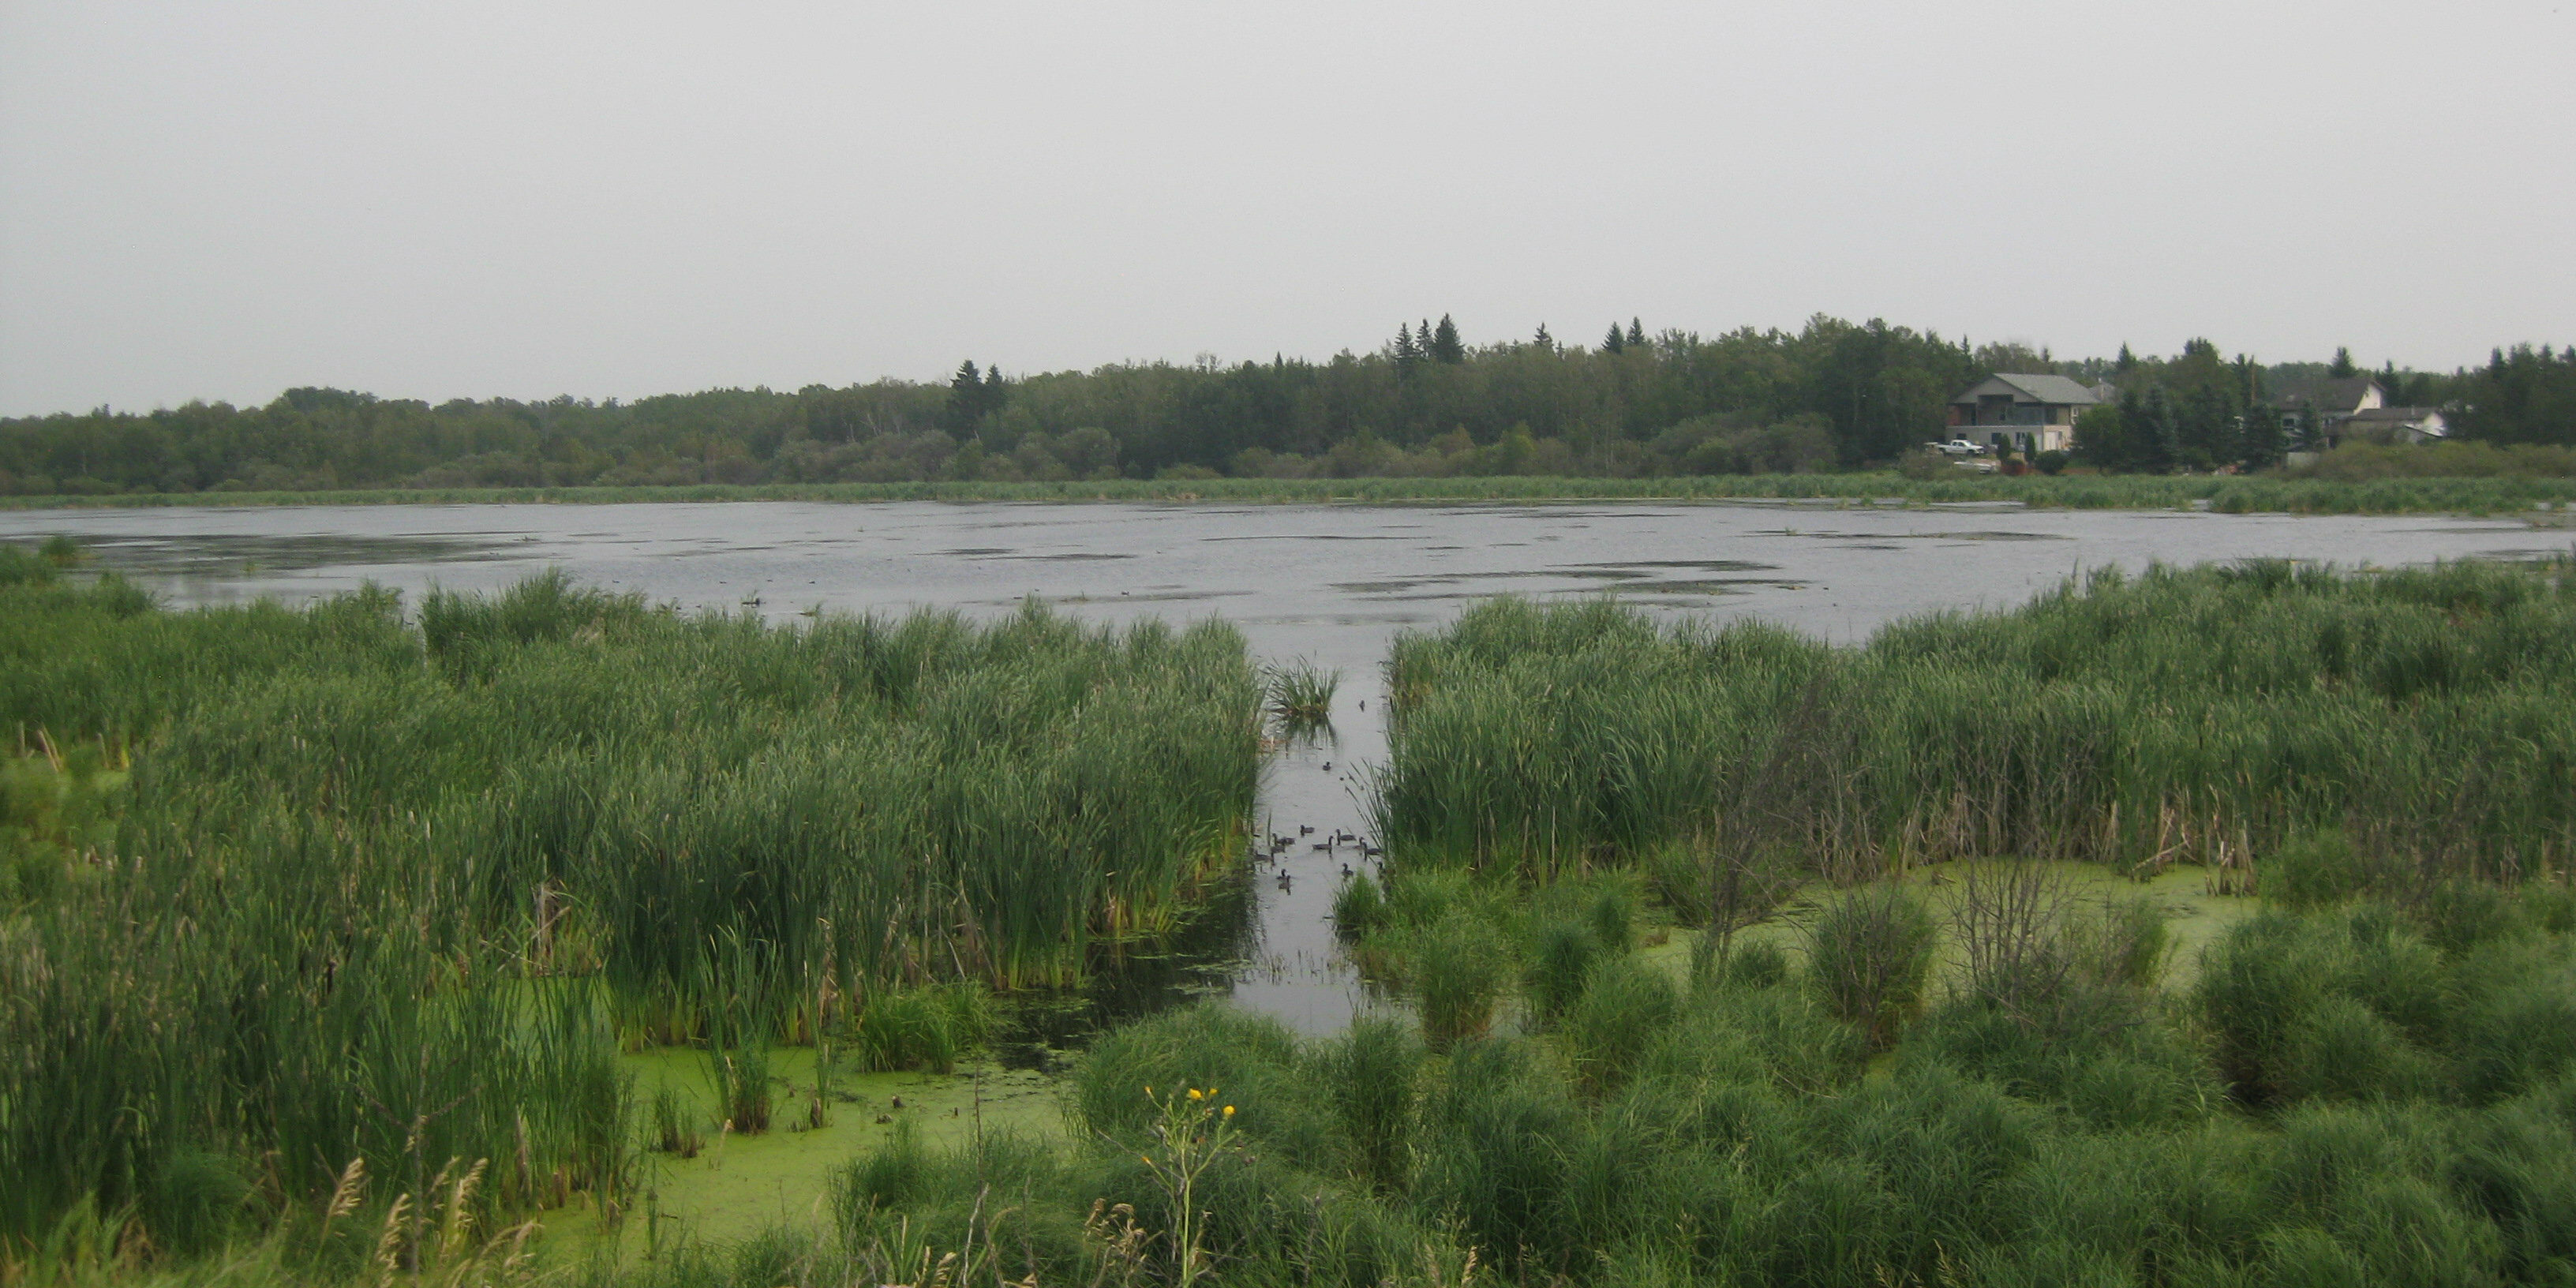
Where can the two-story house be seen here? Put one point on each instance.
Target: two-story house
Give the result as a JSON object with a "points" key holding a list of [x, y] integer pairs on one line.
{"points": [[2027, 413]]}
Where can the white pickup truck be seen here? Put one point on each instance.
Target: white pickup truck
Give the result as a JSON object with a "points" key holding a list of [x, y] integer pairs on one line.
{"points": [[1956, 447]]}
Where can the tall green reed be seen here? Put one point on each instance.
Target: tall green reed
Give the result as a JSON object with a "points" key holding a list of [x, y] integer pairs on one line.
{"points": [[2204, 715], [399, 893]]}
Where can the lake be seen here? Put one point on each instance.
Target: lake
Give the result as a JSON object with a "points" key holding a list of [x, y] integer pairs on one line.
{"points": [[1329, 583]]}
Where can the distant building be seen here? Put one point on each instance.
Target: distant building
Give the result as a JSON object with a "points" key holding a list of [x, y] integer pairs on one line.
{"points": [[2389, 425], [2313, 411], [2023, 412]]}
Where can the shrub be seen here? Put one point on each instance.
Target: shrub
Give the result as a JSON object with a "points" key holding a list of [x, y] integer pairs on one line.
{"points": [[1868, 957], [197, 1202], [893, 1175], [1612, 917], [1458, 970], [1757, 963], [1253, 1060], [1560, 963], [2340, 1050], [1370, 1073], [1623, 1006], [2462, 912], [2129, 943], [2256, 983], [2513, 1019], [2317, 869], [1496, 1135]]}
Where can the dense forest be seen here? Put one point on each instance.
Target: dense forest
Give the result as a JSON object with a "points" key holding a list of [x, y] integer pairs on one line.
{"points": [[1833, 394]]}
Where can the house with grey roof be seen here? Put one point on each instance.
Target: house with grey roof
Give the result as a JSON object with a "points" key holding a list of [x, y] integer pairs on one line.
{"points": [[2314, 410], [2410, 425], [2028, 413]]}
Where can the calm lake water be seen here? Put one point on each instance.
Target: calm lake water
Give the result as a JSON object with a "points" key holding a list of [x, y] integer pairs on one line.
{"points": [[1332, 584]]}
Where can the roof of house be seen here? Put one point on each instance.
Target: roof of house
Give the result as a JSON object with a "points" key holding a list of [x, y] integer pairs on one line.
{"points": [[2397, 415], [2341, 393], [2054, 390]]}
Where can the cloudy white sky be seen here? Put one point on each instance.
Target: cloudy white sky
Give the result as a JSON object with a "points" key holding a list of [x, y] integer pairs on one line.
{"points": [[219, 200]]}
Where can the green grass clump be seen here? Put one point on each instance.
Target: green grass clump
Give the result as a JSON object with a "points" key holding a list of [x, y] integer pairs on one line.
{"points": [[1358, 907], [1371, 1074], [1299, 697], [2368, 1003], [925, 1028]]}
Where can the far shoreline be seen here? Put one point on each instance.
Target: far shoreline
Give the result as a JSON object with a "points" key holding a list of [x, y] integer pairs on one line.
{"points": [[2226, 494]]}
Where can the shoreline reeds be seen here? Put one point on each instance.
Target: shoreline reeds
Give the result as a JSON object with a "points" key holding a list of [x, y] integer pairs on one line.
{"points": [[2200, 716]]}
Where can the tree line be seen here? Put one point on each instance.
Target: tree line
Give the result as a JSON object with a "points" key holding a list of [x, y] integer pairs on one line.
{"points": [[1833, 394], [2197, 411]]}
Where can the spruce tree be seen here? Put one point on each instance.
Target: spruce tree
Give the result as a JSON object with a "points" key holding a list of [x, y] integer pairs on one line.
{"points": [[1445, 346], [1636, 333], [2249, 378], [2158, 431], [2342, 367], [2263, 439], [965, 398], [1543, 339], [1613, 342], [2126, 361]]}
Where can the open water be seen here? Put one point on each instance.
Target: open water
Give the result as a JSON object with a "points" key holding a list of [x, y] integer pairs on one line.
{"points": [[1329, 583]]}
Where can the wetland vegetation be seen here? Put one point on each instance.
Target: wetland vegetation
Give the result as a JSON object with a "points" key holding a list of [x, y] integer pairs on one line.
{"points": [[2199, 927], [2197, 715], [288, 889]]}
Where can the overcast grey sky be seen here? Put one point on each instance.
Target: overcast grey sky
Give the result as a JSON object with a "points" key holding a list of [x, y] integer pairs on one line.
{"points": [[221, 200]]}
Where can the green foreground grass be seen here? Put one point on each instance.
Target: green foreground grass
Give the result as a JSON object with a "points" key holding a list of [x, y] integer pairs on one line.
{"points": [[2227, 494], [735, 1188]]}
